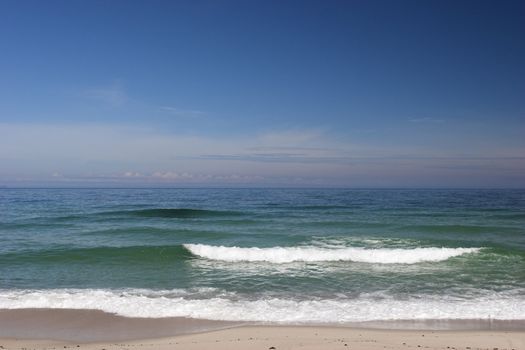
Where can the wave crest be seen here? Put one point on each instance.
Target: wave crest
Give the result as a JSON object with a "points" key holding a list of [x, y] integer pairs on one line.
{"points": [[280, 255], [174, 213]]}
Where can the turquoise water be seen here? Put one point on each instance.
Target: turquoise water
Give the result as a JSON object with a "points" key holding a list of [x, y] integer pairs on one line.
{"points": [[278, 255]]}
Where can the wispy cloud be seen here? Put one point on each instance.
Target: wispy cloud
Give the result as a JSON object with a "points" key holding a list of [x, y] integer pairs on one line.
{"points": [[291, 138], [113, 95], [158, 177], [119, 153], [183, 177], [179, 112], [427, 120], [133, 174]]}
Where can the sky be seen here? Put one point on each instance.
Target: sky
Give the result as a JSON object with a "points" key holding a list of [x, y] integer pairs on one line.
{"points": [[356, 93]]}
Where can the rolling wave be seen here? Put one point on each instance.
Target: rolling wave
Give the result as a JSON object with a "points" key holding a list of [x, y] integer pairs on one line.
{"points": [[275, 255], [175, 213], [280, 255], [99, 255], [456, 229]]}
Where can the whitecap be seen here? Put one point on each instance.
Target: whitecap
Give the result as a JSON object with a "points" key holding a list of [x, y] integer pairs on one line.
{"points": [[280, 255]]}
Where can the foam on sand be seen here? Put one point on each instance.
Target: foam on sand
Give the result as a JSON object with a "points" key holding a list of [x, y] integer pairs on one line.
{"points": [[227, 307]]}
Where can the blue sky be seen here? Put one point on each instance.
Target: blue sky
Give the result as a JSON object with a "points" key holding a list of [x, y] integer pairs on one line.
{"points": [[262, 93]]}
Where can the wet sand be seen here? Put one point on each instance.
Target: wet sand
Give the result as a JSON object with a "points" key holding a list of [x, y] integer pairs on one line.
{"points": [[96, 326], [87, 329]]}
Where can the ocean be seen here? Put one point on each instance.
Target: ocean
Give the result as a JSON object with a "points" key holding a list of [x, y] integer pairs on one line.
{"points": [[295, 256]]}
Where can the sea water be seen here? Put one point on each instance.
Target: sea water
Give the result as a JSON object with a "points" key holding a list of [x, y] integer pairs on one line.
{"points": [[266, 255]]}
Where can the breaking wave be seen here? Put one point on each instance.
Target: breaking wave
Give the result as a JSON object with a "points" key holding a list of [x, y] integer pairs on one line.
{"points": [[280, 255], [175, 213]]}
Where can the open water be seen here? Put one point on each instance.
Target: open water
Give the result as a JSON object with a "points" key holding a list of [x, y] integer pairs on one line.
{"points": [[270, 255]]}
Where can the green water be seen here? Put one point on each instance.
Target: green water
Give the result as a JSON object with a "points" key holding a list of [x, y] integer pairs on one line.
{"points": [[324, 255]]}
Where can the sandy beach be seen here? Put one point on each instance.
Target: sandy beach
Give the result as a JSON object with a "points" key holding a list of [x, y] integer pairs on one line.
{"points": [[62, 329]]}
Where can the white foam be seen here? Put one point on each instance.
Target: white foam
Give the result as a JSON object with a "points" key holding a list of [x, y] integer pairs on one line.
{"points": [[280, 255], [141, 303]]}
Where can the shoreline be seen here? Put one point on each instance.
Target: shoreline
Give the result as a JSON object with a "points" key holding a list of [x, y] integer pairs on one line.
{"points": [[87, 325], [94, 329]]}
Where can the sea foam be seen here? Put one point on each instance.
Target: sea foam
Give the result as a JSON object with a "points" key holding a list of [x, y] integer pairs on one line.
{"points": [[280, 255], [156, 304]]}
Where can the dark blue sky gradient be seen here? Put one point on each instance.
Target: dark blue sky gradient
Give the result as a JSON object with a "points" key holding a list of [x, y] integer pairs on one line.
{"points": [[435, 76]]}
